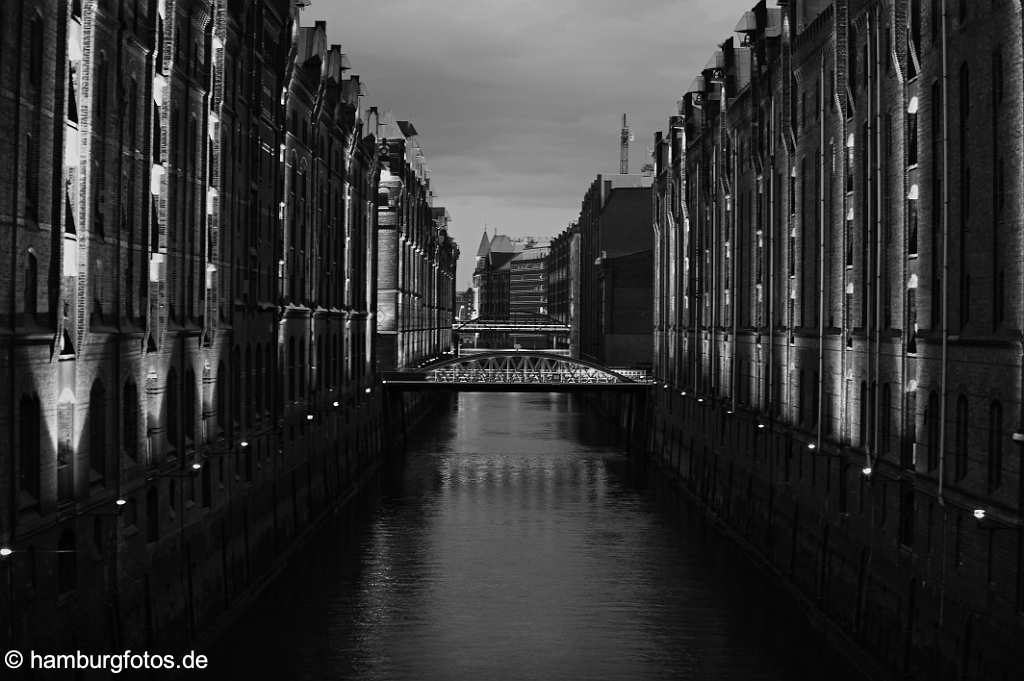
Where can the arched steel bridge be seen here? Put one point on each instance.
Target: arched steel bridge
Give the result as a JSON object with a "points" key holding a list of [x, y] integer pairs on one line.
{"points": [[507, 370]]}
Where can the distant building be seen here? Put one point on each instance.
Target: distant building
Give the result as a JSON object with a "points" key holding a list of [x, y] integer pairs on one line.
{"points": [[528, 294], [616, 271], [562, 270], [491, 275], [464, 310], [416, 276]]}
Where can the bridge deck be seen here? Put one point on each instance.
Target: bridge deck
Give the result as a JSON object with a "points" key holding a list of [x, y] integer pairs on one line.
{"points": [[395, 382]]}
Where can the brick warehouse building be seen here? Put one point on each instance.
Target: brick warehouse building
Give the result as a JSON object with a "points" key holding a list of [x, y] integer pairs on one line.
{"points": [[190, 267], [563, 286], [847, 411], [615, 265], [416, 282]]}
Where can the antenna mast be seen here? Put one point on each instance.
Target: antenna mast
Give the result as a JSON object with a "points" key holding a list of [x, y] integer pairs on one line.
{"points": [[624, 140]]}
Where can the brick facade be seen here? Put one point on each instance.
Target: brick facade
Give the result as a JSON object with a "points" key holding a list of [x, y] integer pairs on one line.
{"points": [[822, 174], [417, 257], [190, 266]]}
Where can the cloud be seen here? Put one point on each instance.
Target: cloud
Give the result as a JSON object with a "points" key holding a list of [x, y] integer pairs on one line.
{"points": [[518, 104]]}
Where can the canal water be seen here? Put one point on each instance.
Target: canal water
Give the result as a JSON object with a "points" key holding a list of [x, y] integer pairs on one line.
{"points": [[514, 543]]}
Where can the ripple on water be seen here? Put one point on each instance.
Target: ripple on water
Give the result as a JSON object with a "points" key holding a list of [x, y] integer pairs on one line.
{"points": [[513, 548]]}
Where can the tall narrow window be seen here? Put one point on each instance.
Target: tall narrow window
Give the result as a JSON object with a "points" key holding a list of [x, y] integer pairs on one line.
{"points": [[862, 424], [98, 431], [133, 115], [29, 446], [291, 369], [221, 398], [130, 420], [995, 445], [933, 423], [152, 515], [910, 431], [247, 389], [912, 220], [886, 417], [912, 131], [851, 56], [31, 284], [173, 424], [35, 55], [907, 513], [190, 415], [31, 177], [67, 563], [914, 38], [960, 456], [257, 382]]}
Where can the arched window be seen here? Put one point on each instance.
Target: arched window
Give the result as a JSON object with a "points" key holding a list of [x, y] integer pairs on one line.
{"points": [[67, 563], [190, 405], [173, 413], [97, 419], [995, 445], [960, 461], [130, 420], [31, 284], [30, 444]]}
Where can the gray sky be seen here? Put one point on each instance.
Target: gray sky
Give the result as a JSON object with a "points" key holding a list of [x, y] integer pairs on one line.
{"points": [[518, 103]]}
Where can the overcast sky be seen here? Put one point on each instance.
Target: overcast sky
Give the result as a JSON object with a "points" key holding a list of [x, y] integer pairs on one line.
{"points": [[518, 103]]}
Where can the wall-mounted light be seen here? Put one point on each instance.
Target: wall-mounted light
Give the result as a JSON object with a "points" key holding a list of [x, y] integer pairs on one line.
{"points": [[196, 466], [336, 403], [979, 513], [866, 471], [121, 502], [5, 551], [243, 444], [309, 417], [811, 445]]}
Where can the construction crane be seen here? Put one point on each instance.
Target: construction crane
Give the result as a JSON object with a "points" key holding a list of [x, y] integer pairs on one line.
{"points": [[624, 140]]}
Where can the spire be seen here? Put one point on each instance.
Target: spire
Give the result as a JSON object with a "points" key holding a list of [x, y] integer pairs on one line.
{"points": [[485, 245]]}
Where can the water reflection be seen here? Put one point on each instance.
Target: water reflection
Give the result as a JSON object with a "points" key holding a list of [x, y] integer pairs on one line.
{"points": [[512, 546]]}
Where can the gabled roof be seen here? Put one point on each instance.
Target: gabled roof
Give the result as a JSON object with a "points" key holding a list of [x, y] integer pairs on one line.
{"points": [[502, 244]]}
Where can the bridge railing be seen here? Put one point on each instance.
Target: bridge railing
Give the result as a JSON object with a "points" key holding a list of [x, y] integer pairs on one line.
{"points": [[510, 376]]}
